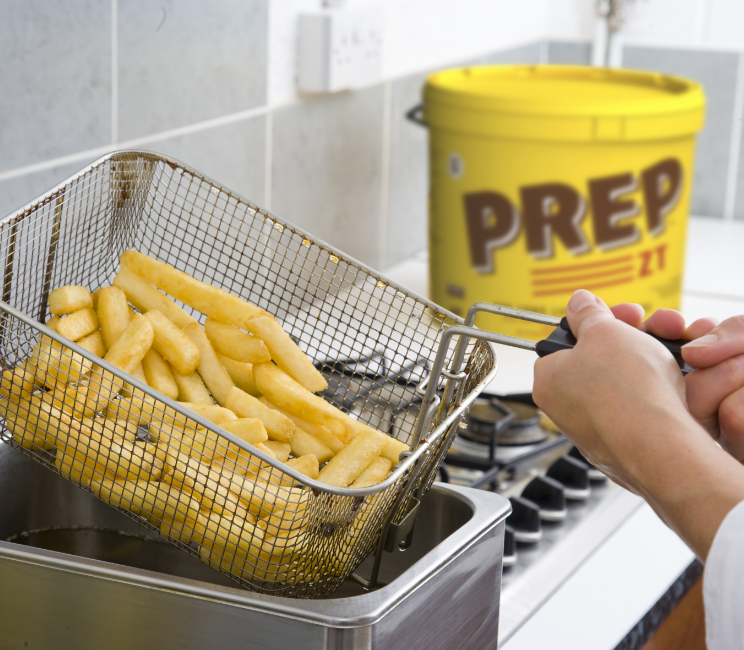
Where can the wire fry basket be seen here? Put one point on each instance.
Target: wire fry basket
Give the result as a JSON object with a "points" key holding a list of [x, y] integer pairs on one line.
{"points": [[266, 526]]}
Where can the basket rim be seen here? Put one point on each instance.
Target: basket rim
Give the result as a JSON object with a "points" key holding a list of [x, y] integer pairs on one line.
{"points": [[398, 470]]}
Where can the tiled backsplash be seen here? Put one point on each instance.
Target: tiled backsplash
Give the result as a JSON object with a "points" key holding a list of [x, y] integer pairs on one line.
{"points": [[198, 81]]}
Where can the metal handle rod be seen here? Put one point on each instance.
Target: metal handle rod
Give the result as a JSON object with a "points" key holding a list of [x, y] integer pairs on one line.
{"points": [[499, 310], [430, 398]]}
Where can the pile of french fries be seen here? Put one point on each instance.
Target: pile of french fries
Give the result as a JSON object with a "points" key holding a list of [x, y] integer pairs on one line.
{"points": [[240, 371]]}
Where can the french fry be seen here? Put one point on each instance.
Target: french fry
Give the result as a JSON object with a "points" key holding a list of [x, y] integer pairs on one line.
{"points": [[191, 388], [22, 417], [19, 382], [317, 431], [212, 412], [68, 299], [52, 323], [346, 466], [303, 444], [126, 354], [78, 324], [76, 470], [139, 374], [285, 352], [209, 300], [94, 344], [241, 374], [267, 450], [279, 449], [235, 344], [158, 374], [394, 447], [250, 430], [116, 430], [113, 314], [307, 465], [175, 347], [278, 426], [376, 471], [203, 484], [94, 298], [56, 363], [146, 297], [210, 368], [283, 391], [262, 499]]}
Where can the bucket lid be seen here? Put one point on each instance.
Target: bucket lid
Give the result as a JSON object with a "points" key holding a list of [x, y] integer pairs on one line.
{"points": [[624, 97]]}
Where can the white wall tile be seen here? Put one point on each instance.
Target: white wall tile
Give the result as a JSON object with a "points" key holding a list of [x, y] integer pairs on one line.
{"points": [[571, 19], [664, 22], [55, 79], [724, 23], [185, 61]]}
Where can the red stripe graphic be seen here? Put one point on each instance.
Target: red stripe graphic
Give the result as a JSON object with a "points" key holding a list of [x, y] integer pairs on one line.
{"points": [[584, 277], [590, 287], [581, 267]]}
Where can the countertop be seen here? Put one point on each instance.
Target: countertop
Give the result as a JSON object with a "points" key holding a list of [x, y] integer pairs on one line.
{"points": [[600, 601]]}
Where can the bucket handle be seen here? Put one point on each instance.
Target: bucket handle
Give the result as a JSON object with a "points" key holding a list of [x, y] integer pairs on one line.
{"points": [[415, 115]]}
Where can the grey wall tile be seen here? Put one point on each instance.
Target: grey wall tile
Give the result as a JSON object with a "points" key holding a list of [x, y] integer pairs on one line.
{"points": [[407, 214], [327, 159], [184, 61], [566, 53], [55, 79], [529, 53], [16, 192], [716, 71], [233, 155]]}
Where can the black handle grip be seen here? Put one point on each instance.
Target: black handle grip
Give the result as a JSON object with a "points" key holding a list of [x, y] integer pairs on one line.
{"points": [[563, 339]]}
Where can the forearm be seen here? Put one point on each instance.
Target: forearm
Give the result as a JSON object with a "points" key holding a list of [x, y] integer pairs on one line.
{"points": [[691, 484]]}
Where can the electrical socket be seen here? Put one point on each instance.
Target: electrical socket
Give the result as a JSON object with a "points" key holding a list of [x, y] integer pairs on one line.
{"points": [[340, 49]]}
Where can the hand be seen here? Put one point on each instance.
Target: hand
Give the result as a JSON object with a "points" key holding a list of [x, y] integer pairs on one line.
{"points": [[619, 396], [715, 391]]}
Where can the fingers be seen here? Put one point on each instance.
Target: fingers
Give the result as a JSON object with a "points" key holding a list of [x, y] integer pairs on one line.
{"points": [[731, 422], [665, 323], [586, 310], [708, 388], [629, 312], [719, 343], [700, 328]]}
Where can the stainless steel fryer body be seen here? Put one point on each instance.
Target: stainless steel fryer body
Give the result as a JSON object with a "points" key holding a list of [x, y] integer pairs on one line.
{"points": [[442, 593]]}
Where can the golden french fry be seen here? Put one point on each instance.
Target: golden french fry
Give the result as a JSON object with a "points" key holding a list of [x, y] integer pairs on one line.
{"points": [[191, 388], [158, 374], [278, 426], [262, 499], [113, 314], [267, 450], [28, 423], [307, 465], [116, 430], [94, 344], [304, 444], [175, 347], [283, 391], [346, 466], [285, 352], [203, 484], [76, 470], [212, 412], [146, 297], [317, 431], [56, 363], [280, 450], [52, 323], [241, 374], [19, 382], [250, 430], [209, 300], [235, 344], [376, 471], [78, 324], [139, 374], [68, 299], [94, 298], [210, 367]]}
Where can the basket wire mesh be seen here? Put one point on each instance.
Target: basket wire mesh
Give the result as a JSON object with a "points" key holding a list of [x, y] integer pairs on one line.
{"points": [[265, 525]]}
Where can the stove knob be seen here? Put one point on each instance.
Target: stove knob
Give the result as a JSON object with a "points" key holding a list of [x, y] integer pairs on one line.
{"points": [[510, 548], [574, 475], [550, 497], [525, 520], [594, 474]]}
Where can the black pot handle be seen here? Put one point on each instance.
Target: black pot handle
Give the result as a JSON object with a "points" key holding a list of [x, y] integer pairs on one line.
{"points": [[415, 115]]}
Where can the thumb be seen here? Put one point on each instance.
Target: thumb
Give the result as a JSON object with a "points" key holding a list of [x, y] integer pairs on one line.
{"points": [[584, 311]]}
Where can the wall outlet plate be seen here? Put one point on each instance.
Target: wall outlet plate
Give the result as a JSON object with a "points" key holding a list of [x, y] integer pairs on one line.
{"points": [[340, 49]]}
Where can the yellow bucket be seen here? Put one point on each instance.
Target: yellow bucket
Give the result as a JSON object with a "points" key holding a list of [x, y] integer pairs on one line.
{"points": [[547, 179]]}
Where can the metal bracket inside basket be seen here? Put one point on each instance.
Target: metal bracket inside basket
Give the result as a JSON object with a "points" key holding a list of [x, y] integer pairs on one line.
{"points": [[399, 535]]}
